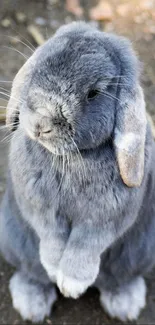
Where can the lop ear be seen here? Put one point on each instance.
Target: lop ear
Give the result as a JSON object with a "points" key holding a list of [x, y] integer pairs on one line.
{"points": [[19, 83], [129, 136]]}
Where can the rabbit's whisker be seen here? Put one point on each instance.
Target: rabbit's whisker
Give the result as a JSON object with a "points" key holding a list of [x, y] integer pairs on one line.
{"points": [[15, 50], [16, 39], [13, 114], [10, 81], [5, 89], [63, 174], [7, 126], [10, 96], [113, 77], [81, 171], [7, 137], [4, 99], [117, 84], [80, 157], [3, 127], [109, 95], [55, 166], [24, 38]]}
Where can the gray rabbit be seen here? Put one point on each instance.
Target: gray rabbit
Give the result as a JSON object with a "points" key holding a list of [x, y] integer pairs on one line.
{"points": [[79, 208]]}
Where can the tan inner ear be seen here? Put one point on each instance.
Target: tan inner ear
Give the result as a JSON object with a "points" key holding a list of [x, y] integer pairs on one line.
{"points": [[129, 140], [131, 162]]}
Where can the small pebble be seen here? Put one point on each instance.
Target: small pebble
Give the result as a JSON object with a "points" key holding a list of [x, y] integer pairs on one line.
{"points": [[20, 17], [40, 21], [6, 23]]}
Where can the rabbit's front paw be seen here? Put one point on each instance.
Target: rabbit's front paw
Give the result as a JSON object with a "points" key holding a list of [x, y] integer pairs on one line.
{"points": [[50, 256], [71, 287], [51, 269]]}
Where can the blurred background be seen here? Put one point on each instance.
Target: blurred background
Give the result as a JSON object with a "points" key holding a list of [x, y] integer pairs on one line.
{"points": [[26, 24]]}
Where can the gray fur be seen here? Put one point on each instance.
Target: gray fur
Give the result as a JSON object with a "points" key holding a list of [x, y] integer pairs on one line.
{"points": [[66, 206]]}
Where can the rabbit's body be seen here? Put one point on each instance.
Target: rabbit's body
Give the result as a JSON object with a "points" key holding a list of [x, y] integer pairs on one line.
{"points": [[134, 252], [68, 211]]}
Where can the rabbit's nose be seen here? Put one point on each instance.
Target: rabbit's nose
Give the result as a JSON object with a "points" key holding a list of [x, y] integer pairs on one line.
{"points": [[59, 121]]}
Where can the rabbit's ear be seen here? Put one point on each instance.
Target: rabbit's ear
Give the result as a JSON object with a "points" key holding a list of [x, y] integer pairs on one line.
{"points": [[129, 136], [13, 107]]}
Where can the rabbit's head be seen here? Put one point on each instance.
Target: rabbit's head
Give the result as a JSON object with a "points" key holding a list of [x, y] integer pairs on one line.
{"points": [[80, 89]]}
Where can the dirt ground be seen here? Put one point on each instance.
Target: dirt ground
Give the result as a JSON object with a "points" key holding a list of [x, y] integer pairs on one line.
{"points": [[137, 23]]}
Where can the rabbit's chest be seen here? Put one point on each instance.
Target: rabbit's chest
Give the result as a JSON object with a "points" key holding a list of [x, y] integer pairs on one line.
{"points": [[90, 193], [87, 185]]}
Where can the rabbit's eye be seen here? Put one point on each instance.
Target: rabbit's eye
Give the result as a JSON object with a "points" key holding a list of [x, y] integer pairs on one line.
{"points": [[92, 94]]}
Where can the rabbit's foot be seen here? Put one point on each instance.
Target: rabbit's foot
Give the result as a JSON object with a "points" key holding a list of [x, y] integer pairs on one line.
{"points": [[32, 300], [71, 287], [127, 303]]}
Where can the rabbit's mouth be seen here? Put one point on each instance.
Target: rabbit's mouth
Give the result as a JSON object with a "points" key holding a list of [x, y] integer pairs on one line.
{"points": [[58, 144], [57, 137], [55, 144], [59, 147]]}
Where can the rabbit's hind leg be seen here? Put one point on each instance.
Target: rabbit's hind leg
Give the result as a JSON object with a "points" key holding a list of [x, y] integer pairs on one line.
{"points": [[32, 292], [30, 298], [127, 301]]}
